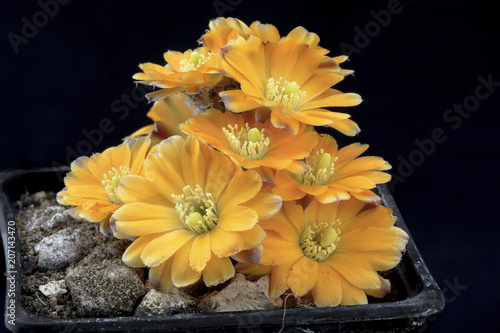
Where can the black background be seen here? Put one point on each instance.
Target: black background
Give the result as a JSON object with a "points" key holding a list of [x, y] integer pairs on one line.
{"points": [[76, 70]]}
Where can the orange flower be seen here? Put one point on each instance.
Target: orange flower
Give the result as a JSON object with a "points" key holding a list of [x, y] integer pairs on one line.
{"points": [[291, 78], [167, 114], [222, 30], [334, 174], [332, 251], [189, 71], [92, 182], [192, 211], [248, 143]]}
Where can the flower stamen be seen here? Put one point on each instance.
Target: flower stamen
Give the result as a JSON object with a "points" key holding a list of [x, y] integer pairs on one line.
{"points": [[196, 209], [112, 180], [319, 242], [195, 61], [322, 167], [286, 93], [248, 142]]}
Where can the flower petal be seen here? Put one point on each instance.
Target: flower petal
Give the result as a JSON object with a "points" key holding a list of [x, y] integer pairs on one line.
{"points": [[237, 101], [140, 218], [237, 218], [356, 270], [217, 271], [200, 252], [241, 188], [278, 251], [160, 277], [225, 243], [278, 282], [328, 290], [135, 188], [132, 255], [303, 276], [266, 205], [164, 247], [351, 295], [182, 274]]}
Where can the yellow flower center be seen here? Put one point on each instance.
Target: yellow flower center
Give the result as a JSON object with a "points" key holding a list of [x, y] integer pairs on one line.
{"points": [[321, 169], [286, 93], [195, 61], [319, 242], [112, 180], [197, 209], [246, 141]]}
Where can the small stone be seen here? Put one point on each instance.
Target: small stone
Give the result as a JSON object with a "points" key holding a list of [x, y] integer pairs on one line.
{"points": [[156, 303], [241, 295], [105, 289], [57, 215], [53, 288], [62, 248]]}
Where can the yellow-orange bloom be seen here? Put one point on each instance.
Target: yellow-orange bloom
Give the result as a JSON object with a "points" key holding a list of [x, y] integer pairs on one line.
{"points": [[334, 174], [192, 210], [290, 78], [249, 143], [332, 251], [92, 182], [189, 71], [167, 114], [222, 30]]}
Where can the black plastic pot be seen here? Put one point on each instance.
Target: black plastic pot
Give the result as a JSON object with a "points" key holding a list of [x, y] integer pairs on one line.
{"points": [[424, 300]]}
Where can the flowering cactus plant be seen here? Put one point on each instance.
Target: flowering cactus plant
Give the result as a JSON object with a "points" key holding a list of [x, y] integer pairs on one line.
{"points": [[233, 176]]}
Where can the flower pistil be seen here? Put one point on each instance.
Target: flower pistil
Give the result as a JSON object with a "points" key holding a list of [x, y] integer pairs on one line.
{"points": [[196, 209], [286, 93], [112, 180], [319, 242], [248, 142], [321, 169], [195, 61]]}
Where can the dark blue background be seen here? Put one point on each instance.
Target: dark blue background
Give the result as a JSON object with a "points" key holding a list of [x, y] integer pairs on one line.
{"points": [[76, 70]]}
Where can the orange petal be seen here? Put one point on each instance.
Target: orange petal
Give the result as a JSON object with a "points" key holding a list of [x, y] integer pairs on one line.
{"points": [[225, 243], [160, 277], [253, 268], [266, 205], [287, 187], [327, 291], [132, 255], [217, 271], [385, 288], [380, 217], [356, 270], [281, 120], [135, 188], [164, 247], [140, 218], [237, 101], [252, 237], [333, 194], [200, 252], [241, 188], [303, 276], [351, 295], [278, 251], [182, 274], [279, 276]]}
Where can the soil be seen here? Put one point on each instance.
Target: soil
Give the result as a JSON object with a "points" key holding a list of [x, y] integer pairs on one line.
{"points": [[37, 212]]}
